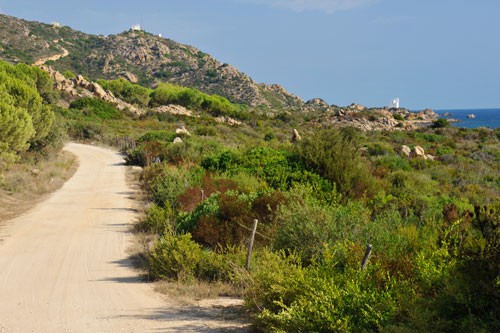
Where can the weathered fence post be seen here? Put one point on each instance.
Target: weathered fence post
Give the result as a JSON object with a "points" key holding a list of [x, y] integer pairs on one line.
{"points": [[250, 245], [367, 256]]}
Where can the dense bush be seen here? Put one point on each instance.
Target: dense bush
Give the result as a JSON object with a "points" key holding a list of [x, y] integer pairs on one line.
{"points": [[25, 119], [96, 107], [166, 183], [157, 219], [306, 227], [84, 130], [279, 169], [16, 129], [335, 155], [176, 257], [179, 257], [129, 92], [398, 117], [440, 123]]}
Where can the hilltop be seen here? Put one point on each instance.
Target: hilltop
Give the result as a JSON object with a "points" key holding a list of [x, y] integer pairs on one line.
{"points": [[137, 56]]}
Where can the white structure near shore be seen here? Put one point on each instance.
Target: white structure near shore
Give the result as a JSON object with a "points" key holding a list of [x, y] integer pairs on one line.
{"points": [[394, 104]]}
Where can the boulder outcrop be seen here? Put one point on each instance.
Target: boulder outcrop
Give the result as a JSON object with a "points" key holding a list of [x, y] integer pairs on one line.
{"points": [[317, 102], [80, 87]]}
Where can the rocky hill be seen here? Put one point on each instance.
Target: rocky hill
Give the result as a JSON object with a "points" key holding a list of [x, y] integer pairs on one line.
{"points": [[137, 56], [146, 59]]}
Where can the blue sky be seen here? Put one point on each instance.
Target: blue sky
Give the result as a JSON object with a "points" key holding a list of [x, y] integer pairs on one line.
{"points": [[429, 53]]}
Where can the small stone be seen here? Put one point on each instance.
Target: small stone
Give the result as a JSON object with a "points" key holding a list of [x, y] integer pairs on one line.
{"points": [[296, 136], [182, 130], [406, 150], [418, 152]]}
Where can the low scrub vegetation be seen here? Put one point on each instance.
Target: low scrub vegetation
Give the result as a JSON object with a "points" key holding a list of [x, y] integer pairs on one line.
{"points": [[433, 222], [319, 203]]}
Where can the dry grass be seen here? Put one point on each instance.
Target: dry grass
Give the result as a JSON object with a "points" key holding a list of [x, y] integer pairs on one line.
{"points": [[189, 293], [25, 184]]}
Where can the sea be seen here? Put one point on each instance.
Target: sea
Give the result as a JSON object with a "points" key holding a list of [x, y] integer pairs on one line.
{"points": [[484, 117]]}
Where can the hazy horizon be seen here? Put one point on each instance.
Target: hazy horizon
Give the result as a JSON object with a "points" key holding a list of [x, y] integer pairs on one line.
{"points": [[440, 55]]}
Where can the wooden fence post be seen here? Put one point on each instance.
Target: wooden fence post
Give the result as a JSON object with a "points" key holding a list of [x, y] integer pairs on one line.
{"points": [[367, 256], [250, 246]]}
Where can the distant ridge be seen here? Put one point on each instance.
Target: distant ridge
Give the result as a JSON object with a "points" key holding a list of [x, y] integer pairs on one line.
{"points": [[137, 56]]}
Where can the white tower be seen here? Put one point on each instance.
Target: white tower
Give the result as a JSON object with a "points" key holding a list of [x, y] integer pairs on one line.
{"points": [[395, 103]]}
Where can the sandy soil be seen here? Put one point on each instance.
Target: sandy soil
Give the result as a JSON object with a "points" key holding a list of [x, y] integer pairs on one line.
{"points": [[64, 265]]}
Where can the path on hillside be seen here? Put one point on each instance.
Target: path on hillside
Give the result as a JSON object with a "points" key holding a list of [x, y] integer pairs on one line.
{"points": [[42, 61], [64, 265]]}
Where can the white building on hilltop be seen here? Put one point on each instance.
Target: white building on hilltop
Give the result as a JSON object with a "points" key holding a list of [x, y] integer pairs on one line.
{"points": [[136, 27], [55, 24], [394, 104]]}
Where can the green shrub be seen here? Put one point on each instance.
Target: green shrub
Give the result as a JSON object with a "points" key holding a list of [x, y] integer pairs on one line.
{"points": [[324, 297], [166, 183], [305, 227], [275, 278], [269, 136], [179, 257], [380, 148], [24, 94], [15, 130], [398, 117], [129, 92], [157, 220], [333, 303], [394, 163], [280, 170], [188, 221], [135, 156], [430, 137], [440, 123], [176, 256], [335, 155], [56, 137], [86, 130], [96, 107], [205, 131], [68, 74], [25, 119], [445, 151], [160, 136]]}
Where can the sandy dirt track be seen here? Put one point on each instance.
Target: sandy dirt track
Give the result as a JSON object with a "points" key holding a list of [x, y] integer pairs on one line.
{"points": [[42, 61], [64, 266]]}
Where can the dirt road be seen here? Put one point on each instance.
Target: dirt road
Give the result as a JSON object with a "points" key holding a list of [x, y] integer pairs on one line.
{"points": [[64, 266]]}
